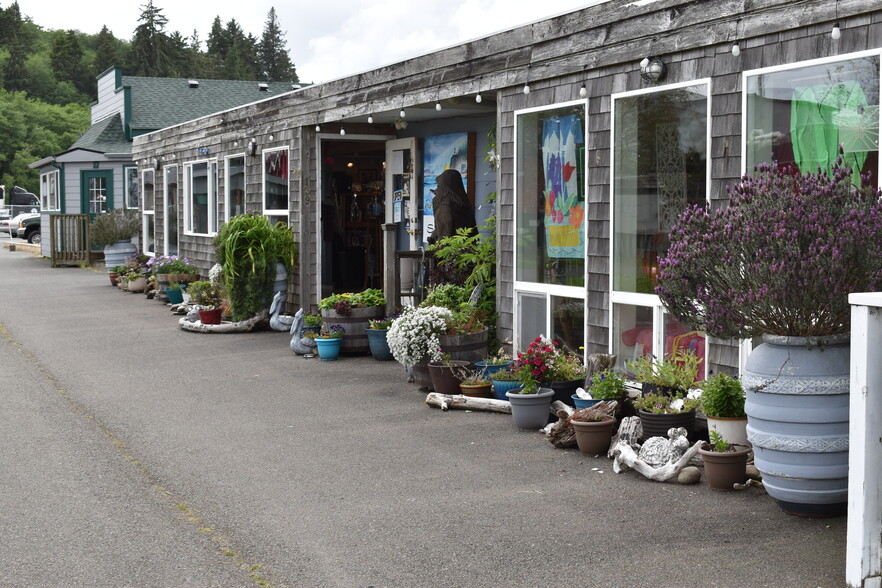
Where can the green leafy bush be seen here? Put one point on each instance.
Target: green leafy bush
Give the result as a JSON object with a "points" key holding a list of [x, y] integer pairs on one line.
{"points": [[722, 397]]}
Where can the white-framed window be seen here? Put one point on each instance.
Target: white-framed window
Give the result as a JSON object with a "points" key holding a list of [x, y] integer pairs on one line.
{"points": [[148, 220], [234, 185], [550, 239], [660, 164], [50, 191], [170, 210], [131, 194], [275, 183], [200, 196]]}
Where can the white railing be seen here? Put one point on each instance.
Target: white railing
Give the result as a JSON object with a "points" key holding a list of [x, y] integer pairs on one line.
{"points": [[863, 558]]}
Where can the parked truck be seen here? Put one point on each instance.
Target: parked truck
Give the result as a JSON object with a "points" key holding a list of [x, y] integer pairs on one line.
{"points": [[17, 201]]}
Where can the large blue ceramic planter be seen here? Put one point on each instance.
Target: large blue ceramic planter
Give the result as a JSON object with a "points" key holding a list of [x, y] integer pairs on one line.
{"points": [[797, 421], [584, 402], [378, 344], [488, 369], [329, 349], [500, 387]]}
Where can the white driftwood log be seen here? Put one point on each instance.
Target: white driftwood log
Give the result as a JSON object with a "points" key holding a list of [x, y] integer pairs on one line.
{"points": [[626, 456], [447, 401], [239, 327]]}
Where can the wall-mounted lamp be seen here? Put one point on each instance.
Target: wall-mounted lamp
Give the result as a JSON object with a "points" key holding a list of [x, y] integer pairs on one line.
{"points": [[252, 148], [736, 49], [654, 70]]}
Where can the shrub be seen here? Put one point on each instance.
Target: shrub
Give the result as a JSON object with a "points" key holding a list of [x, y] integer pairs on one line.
{"points": [[113, 226]]}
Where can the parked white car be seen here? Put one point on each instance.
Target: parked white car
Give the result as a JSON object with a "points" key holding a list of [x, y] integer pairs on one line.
{"points": [[10, 225]]}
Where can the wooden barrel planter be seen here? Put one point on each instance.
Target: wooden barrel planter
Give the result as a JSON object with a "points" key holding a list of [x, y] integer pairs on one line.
{"points": [[469, 347], [355, 338]]}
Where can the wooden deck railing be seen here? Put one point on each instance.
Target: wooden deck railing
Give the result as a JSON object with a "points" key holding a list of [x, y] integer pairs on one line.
{"points": [[70, 239]]}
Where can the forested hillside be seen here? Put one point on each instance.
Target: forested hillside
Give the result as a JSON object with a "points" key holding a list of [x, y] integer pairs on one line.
{"points": [[48, 76]]}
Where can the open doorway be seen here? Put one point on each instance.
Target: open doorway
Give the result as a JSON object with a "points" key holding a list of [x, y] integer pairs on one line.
{"points": [[352, 214]]}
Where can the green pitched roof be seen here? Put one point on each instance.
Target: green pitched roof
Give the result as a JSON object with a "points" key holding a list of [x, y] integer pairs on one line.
{"points": [[105, 136], [163, 102]]}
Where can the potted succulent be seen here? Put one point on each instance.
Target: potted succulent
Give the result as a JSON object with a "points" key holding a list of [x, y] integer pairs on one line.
{"points": [[208, 296], [415, 335], [252, 253], [504, 380], [604, 385], [474, 384], [113, 230], [725, 464], [376, 334], [722, 402], [593, 429], [780, 261], [328, 342], [660, 412], [353, 310]]}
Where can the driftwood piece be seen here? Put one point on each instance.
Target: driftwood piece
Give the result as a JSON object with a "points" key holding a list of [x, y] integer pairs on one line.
{"points": [[562, 434], [624, 452], [630, 431], [239, 327], [448, 401], [597, 362]]}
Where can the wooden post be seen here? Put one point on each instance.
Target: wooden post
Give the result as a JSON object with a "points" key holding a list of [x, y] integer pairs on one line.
{"points": [[863, 555], [390, 276]]}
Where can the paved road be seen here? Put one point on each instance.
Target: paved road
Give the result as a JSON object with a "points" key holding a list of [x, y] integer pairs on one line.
{"points": [[136, 454]]}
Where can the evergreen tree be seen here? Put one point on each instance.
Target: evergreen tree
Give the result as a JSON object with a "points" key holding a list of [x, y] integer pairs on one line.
{"points": [[105, 51], [15, 76], [151, 45], [217, 44], [67, 61], [179, 56], [275, 63]]}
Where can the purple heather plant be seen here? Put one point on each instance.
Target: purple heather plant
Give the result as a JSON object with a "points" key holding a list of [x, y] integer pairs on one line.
{"points": [[780, 259]]}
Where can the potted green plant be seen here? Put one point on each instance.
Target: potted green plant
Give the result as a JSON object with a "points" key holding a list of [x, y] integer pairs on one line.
{"points": [[474, 384], [504, 380], [593, 429], [493, 364], [725, 463], [328, 342], [208, 296], [546, 363], [722, 402], [174, 293], [673, 374], [467, 336], [354, 310], [171, 268], [604, 385], [660, 412], [251, 253], [376, 334], [113, 230], [414, 335], [780, 261], [311, 322]]}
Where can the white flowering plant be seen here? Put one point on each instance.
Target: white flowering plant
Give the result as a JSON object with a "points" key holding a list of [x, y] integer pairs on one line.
{"points": [[414, 336]]}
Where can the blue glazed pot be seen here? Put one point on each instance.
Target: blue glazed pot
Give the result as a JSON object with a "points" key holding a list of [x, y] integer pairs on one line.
{"points": [[378, 344], [174, 296], [500, 387], [584, 403], [329, 349], [487, 370]]}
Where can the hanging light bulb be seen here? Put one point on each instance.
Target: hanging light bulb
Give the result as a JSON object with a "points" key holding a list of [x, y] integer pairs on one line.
{"points": [[402, 114], [342, 131], [318, 129], [526, 88], [836, 32], [370, 119], [736, 49], [438, 106], [644, 62], [583, 91], [478, 97]]}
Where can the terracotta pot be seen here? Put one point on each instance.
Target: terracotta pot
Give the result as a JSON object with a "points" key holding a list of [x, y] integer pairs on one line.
{"points": [[594, 437], [114, 277], [477, 391], [725, 469]]}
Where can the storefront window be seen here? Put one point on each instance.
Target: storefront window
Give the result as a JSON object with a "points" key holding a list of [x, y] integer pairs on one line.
{"points": [[660, 166], [275, 182], [149, 212], [550, 238], [801, 116], [200, 190], [234, 186], [49, 191]]}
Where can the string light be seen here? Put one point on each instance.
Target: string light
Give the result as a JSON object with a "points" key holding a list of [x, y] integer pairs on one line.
{"points": [[526, 88], [736, 49], [583, 91], [342, 131], [836, 32], [478, 97], [370, 119], [438, 106]]}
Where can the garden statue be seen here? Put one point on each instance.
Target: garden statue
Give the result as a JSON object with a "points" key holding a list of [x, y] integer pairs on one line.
{"points": [[278, 321], [451, 206], [300, 345], [659, 459]]}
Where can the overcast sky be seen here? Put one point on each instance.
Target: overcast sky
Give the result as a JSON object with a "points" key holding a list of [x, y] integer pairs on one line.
{"points": [[326, 39]]}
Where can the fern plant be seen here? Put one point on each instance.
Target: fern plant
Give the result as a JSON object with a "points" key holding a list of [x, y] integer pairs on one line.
{"points": [[247, 249]]}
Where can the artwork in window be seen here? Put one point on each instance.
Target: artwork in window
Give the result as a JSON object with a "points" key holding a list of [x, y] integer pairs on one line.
{"points": [[564, 203], [440, 153]]}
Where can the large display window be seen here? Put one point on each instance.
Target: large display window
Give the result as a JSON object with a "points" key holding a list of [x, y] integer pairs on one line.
{"points": [[550, 214], [660, 166]]}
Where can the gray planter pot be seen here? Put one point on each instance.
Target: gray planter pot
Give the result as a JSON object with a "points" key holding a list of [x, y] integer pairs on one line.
{"points": [[117, 253], [797, 421], [530, 411]]}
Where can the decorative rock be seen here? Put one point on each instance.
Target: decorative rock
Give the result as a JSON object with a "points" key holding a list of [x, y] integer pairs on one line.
{"points": [[753, 473], [658, 451], [689, 475]]}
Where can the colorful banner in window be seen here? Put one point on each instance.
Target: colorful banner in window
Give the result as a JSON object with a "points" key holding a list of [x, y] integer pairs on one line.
{"points": [[562, 140]]}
